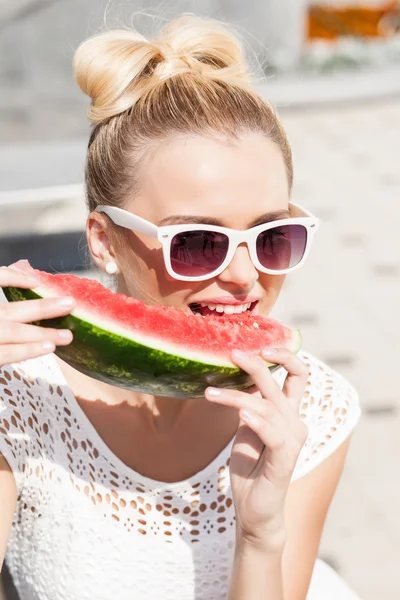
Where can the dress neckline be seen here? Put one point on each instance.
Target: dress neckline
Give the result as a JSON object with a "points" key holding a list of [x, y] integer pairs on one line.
{"points": [[112, 458]]}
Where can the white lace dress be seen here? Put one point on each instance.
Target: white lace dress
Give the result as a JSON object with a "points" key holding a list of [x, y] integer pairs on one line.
{"points": [[87, 527]]}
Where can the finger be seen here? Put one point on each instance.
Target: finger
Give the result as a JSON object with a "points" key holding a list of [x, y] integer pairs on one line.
{"points": [[248, 444], [18, 352], [16, 333], [10, 277], [283, 448], [260, 417], [241, 401], [284, 407], [252, 408], [253, 391], [36, 310], [259, 407], [256, 367], [22, 265], [297, 373], [272, 435]]}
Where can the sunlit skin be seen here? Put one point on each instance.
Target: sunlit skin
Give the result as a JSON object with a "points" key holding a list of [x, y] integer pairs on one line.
{"points": [[234, 182], [278, 526]]}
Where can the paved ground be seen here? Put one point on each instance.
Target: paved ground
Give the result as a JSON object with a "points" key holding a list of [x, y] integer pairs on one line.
{"points": [[346, 301]]}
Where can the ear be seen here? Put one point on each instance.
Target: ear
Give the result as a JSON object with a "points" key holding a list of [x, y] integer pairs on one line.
{"points": [[99, 241]]}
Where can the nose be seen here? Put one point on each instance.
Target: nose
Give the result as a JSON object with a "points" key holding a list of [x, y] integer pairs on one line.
{"points": [[240, 272]]}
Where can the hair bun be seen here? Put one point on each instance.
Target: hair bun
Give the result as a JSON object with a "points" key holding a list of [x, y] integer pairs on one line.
{"points": [[117, 67]]}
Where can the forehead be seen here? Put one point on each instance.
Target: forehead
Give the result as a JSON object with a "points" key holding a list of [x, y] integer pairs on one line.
{"points": [[233, 181]]}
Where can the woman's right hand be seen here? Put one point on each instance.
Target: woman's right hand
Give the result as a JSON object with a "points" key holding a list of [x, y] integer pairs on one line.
{"points": [[19, 341]]}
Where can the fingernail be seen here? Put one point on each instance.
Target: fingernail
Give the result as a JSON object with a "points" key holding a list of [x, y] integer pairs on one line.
{"points": [[268, 352], [65, 334], [48, 346], [213, 392], [239, 354], [67, 301], [246, 415]]}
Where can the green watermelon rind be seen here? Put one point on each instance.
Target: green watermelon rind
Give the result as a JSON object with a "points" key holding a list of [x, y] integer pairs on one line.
{"points": [[124, 362]]}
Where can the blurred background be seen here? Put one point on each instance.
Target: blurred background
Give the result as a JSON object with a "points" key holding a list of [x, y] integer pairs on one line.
{"points": [[333, 71]]}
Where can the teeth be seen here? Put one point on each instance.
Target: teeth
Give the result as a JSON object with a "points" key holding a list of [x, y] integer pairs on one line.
{"points": [[242, 307], [228, 309]]}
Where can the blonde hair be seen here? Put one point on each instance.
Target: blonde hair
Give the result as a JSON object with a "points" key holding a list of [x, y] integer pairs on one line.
{"points": [[192, 79]]}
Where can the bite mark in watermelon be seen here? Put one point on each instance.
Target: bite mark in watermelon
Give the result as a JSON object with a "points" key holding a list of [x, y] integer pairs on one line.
{"points": [[153, 349]]}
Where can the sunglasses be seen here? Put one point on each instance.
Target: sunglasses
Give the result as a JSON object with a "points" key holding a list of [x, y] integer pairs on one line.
{"points": [[199, 252]]}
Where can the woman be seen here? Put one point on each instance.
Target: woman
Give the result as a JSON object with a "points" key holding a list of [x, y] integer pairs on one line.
{"points": [[108, 493]]}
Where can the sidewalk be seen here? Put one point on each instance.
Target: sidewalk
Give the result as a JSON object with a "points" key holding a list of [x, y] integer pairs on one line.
{"points": [[346, 302]]}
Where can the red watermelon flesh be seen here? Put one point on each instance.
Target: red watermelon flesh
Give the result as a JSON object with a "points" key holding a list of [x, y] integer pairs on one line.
{"points": [[211, 335], [152, 349]]}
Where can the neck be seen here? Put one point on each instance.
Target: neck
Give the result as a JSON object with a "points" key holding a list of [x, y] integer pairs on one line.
{"points": [[161, 413]]}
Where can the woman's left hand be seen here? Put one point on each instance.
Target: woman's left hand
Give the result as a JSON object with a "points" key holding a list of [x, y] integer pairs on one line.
{"points": [[268, 442]]}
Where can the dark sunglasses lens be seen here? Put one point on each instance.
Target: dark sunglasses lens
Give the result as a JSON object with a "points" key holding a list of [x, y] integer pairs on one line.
{"points": [[281, 247], [197, 253]]}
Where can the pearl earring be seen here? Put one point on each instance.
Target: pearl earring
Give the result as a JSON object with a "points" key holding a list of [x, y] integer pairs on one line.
{"points": [[111, 268]]}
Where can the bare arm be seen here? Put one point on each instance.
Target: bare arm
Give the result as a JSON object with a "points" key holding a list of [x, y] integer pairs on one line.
{"points": [[8, 500], [282, 571], [257, 572], [307, 505]]}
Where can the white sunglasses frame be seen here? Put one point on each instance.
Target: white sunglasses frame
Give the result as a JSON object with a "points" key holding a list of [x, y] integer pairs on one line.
{"points": [[166, 233]]}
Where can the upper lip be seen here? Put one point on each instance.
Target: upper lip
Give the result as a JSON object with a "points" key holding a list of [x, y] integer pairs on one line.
{"points": [[227, 300]]}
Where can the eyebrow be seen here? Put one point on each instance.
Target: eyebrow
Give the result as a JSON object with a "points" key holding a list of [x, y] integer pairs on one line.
{"points": [[195, 219]]}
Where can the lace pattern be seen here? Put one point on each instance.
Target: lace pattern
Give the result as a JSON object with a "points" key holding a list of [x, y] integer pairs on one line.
{"points": [[87, 526]]}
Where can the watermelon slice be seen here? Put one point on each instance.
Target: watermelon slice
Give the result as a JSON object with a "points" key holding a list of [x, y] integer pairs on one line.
{"points": [[153, 349]]}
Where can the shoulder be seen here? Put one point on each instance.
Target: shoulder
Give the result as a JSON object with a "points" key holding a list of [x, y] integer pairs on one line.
{"points": [[25, 383], [330, 408], [327, 391], [25, 407]]}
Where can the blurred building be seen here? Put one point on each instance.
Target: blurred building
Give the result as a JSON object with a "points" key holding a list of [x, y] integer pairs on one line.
{"points": [[39, 100]]}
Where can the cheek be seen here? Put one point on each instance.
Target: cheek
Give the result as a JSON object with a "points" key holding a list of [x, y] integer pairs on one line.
{"points": [[141, 264], [145, 250], [272, 285], [145, 275], [140, 258]]}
